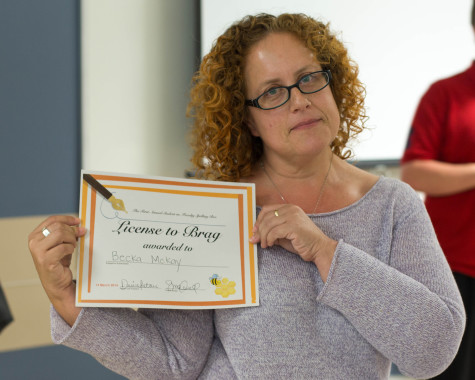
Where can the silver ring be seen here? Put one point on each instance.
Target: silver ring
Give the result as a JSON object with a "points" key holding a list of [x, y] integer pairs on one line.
{"points": [[45, 231], [276, 213]]}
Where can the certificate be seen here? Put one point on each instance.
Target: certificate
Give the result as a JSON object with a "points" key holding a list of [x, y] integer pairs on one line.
{"points": [[161, 242]]}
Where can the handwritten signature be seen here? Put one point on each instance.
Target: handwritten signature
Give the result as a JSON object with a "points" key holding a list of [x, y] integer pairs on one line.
{"points": [[183, 286], [137, 285]]}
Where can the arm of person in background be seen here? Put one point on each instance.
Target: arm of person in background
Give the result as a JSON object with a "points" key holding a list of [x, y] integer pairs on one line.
{"points": [[437, 179], [424, 163]]}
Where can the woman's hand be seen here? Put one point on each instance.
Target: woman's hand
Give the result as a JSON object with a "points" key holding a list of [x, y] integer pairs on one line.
{"points": [[52, 257], [289, 226]]}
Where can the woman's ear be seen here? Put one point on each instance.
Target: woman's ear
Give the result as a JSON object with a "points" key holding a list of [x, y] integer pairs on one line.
{"points": [[251, 125]]}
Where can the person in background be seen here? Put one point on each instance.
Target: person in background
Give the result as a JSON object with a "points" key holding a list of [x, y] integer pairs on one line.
{"points": [[439, 161], [351, 276]]}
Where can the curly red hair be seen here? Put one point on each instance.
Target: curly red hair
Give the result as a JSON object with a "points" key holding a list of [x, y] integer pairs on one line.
{"points": [[224, 148]]}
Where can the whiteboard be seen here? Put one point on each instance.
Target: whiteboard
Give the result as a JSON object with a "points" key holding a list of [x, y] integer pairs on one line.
{"points": [[401, 47]]}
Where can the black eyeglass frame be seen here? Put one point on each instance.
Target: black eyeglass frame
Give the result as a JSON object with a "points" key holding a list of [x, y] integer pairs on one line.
{"points": [[255, 102]]}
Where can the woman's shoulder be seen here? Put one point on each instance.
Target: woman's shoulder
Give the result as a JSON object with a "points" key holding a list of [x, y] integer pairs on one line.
{"points": [[367, 190], [395, 188], [366, 182], [392, 194]]}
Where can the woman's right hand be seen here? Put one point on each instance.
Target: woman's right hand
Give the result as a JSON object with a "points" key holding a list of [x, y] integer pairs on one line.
{"points": [[52, 257]]}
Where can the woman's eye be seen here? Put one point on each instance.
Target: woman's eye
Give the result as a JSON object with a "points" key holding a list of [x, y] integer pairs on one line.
{"points": [[273, 92], [308, 78]]}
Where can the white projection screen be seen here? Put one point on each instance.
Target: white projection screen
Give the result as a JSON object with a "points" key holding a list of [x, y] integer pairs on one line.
{"points": [[401, 47]]}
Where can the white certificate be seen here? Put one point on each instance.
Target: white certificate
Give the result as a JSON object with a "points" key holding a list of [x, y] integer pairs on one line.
{"points": [[171, 243]]}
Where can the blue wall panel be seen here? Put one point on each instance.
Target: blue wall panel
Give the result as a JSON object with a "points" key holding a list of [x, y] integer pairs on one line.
{"points": [[52, 363], [40, 146], [39, 107]]}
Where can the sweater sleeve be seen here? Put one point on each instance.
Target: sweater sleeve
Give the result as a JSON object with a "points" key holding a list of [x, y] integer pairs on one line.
{"points": [[410, 309], [144, 344]]}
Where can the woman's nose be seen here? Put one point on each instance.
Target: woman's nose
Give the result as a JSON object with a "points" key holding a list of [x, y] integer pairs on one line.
{"points": [[298, 100]]}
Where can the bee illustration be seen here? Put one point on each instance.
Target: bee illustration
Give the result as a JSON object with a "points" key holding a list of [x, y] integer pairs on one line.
{"points": [[215, 280]]}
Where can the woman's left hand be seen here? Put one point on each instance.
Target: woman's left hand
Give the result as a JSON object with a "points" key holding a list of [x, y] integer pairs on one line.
{"points": [[288, 226]]}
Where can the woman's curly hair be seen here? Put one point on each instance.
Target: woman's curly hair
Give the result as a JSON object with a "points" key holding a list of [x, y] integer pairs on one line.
{"points": [[224, 148]]}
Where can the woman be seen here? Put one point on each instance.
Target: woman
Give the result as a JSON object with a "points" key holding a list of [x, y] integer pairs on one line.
{"points": [[351, 277]]}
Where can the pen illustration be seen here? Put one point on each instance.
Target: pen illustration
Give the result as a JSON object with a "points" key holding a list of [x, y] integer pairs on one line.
{"points": [[117, 204]]}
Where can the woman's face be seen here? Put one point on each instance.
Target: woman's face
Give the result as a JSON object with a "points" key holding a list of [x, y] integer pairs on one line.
{"points": [[307, 123]]}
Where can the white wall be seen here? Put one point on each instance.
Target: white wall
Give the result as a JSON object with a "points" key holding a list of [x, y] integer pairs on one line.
{"points": [[138, 58], [401, 46]]}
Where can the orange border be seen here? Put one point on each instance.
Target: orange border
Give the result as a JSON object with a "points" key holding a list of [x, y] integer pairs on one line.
{"points": [[91, 238], [252, 264], [82, 240], [172, 191], [174, 183], [165, 182]]}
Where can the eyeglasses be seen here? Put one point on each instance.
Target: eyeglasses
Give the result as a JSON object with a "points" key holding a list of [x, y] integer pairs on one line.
{"points": [[278, 96]]}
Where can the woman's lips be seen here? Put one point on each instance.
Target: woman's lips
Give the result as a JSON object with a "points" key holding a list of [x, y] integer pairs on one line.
{"points": [[305, 124]]}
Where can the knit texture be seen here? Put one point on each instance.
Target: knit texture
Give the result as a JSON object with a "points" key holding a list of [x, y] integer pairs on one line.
{"points": [[389, 297]]}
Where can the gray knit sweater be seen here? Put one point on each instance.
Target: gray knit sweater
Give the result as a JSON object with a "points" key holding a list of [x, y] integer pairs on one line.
{"points": [[390, 297]]}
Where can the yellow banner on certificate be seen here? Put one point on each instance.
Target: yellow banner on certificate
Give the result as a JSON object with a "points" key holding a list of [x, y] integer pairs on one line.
{"points": [[166, 243]]}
